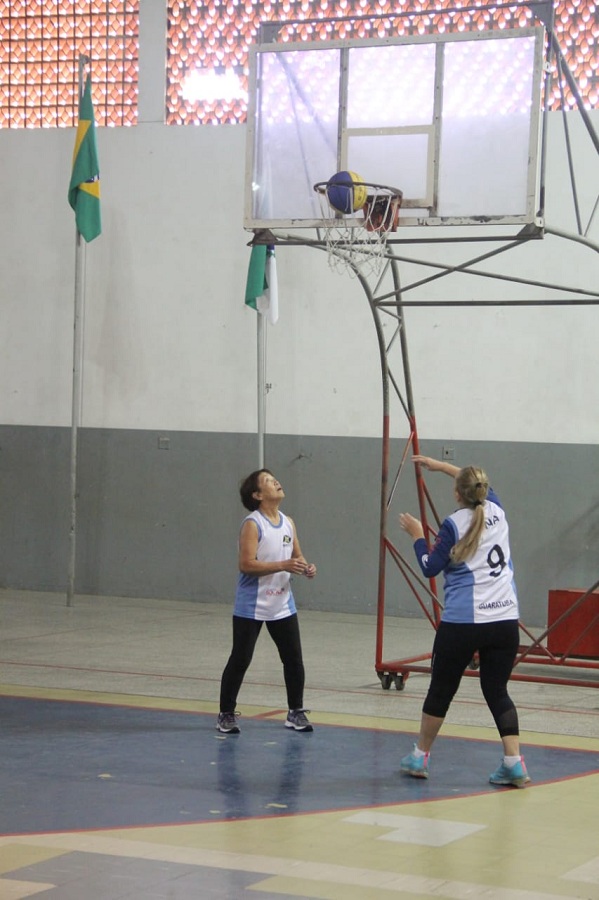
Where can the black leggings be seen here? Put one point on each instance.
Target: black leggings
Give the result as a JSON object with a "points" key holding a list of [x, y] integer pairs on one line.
{"points": [[286, 635], [453, 649]]}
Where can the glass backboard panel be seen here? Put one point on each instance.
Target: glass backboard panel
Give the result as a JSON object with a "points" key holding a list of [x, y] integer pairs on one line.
{"points": [[296, 132], [400, 157], [409, 71], [451, 120], [483, 168]]}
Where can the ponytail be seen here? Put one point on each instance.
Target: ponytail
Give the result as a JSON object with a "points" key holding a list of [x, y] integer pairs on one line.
{"points": [[472, 486]]}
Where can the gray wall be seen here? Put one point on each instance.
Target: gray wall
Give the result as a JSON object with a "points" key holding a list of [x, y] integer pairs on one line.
{"points": [[164, 522], [170, 351]]}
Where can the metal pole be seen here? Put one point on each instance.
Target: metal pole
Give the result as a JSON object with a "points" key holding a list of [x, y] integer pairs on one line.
{"points": [[76, 384], [76, 406], [261, 379]]}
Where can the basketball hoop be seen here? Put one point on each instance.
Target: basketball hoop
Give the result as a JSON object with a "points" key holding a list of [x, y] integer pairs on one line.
{"points": [[358, 240]]}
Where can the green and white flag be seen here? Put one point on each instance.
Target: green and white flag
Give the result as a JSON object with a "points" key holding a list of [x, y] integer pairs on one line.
{"points": [[84, 189], [261, 292]]}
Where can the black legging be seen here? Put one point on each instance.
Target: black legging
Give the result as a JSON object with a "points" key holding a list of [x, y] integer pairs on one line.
{"points": [[453, 649], [286, 635]]}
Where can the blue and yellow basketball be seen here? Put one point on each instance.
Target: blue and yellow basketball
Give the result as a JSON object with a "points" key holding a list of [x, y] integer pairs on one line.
{"points": [[346, 192]]}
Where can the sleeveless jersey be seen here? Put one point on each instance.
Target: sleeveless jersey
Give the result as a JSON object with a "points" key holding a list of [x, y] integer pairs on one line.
{"points": [[482, 588], [267, 597]]}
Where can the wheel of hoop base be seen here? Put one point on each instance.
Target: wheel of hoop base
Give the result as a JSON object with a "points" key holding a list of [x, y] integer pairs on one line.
{"points": [[380, 212]]}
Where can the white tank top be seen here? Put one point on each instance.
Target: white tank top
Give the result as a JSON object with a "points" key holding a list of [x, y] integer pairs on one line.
{"points": [[267, 597]]}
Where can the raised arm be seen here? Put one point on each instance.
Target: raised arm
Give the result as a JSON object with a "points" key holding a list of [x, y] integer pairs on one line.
{"points": [[436, 465]]}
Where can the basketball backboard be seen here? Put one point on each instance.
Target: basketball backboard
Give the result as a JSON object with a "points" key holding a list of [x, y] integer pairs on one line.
{"points": [[452, 120]]}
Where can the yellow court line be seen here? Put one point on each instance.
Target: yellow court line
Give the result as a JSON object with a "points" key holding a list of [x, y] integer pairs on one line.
{"points": [[298, 874]]}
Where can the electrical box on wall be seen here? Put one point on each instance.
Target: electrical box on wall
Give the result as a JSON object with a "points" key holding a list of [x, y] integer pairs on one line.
{"points": [[564, 638]]}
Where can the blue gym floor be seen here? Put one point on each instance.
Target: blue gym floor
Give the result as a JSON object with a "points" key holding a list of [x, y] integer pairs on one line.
{"points": [[70, 766], [115, 784]]}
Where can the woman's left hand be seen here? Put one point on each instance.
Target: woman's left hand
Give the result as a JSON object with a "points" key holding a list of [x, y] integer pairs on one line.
{"points": [[412, 525]]}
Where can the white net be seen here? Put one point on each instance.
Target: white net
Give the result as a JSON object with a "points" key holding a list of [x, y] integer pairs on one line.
{"points": [[358, 241]]}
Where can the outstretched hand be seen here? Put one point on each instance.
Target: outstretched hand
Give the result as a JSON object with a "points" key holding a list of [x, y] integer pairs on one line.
{"points": [[412, 525], [433, 465], [436, 465]]}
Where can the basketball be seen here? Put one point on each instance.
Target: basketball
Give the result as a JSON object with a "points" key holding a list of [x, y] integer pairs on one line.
{"points": [[346, 192]]}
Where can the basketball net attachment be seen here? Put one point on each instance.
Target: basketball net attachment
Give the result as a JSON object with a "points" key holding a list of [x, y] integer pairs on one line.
{"points": [[358, 240]]}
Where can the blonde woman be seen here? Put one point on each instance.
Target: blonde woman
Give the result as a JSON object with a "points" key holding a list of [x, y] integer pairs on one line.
{"points": [[480, 614]]}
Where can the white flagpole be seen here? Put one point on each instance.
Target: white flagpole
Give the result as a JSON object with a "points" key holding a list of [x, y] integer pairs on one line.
{"points": [[261, 381], [76, 383], [268, 311]]}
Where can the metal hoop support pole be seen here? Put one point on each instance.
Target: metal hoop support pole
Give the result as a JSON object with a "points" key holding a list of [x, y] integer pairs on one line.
{"points": [[388, 671]]}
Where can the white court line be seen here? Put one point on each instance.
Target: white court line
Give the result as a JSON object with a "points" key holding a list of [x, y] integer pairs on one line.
{"points": [[20, 890], [588, 872], [415, 830]]}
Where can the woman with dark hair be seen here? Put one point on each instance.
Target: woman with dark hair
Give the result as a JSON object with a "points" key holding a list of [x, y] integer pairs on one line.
{"points": [[269, 554], [480, 615]]}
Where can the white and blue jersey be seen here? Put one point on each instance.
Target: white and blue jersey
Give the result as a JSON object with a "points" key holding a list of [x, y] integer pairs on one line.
{"points": [[482, 588], [267, 597]]}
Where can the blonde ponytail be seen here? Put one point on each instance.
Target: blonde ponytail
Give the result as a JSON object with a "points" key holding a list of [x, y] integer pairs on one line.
{"points": [[472, 486]]}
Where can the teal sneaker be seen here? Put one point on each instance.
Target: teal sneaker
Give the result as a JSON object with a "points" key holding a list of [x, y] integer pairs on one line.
{"points": [[416, 766], [514, 776]]}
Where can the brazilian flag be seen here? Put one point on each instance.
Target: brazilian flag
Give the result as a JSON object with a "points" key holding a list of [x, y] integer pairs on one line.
{"points": [[84, 189]]}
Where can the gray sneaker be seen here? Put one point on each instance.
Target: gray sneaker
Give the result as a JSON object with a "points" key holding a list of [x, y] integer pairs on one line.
{"points": [[226, 723], [298, 720]]}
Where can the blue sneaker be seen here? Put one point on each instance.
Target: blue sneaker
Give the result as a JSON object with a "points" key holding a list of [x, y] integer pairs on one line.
{"points": [[514, 776], [298, 720], [416, 766]]}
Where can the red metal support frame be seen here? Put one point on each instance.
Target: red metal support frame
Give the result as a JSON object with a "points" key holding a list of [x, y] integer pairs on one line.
{"points": [[533, 651]]}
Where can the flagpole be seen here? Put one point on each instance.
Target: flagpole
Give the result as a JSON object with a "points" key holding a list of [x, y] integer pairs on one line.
{"points": [[76, 383], [76, 407], [261, 382], [262, 295]]}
